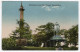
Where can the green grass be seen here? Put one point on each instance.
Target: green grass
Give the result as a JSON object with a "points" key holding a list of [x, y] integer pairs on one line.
{"points": [[71, 48], [47, 48], [42, 48], [38, 48]]}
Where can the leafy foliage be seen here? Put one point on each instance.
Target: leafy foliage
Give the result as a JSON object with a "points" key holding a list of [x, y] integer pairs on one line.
{"points": [[73, 32], [44, 32], [8, 44], [23, 31], [71, 35]]}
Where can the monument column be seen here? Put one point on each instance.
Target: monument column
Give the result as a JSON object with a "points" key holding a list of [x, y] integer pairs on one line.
{"points": [[21, 16], [21, 12]]}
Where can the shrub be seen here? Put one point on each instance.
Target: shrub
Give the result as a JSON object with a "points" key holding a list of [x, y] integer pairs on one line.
{"points": [[70, 48], [33, 43], [73, 48], [9, 44]]}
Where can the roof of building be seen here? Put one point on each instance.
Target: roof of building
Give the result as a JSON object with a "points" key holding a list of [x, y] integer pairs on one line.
{"points": [[57, 37]]}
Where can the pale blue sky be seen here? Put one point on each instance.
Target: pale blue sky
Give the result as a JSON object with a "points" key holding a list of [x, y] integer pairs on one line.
{"points": [[66, 14]]}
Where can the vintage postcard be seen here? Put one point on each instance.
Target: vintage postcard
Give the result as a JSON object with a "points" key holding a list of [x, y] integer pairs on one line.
{"points": [[40, 25]]}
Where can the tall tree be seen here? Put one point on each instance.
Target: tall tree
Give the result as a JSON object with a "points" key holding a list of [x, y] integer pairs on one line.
{"points": [[45, 32], [23, 31], [73, 32]]}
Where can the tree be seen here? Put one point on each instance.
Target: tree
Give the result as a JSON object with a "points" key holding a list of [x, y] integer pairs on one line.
{"points": [[45, 32], [8, 43], [65, 33], [73, 33], [23, 31]]}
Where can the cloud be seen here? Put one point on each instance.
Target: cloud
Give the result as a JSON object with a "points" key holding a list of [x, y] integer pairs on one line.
{"points": [[47, 8], [44, 6], [55, 6]]}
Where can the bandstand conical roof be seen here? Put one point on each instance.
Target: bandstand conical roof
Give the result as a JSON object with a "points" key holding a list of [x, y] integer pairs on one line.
{"points": [[57, 38]]}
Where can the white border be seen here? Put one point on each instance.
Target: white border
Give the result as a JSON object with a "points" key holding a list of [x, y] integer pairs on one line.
{"points": [[0, 25], [39, 0], [35, 50]]}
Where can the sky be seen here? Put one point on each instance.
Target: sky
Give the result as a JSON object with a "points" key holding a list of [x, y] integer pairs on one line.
{"points": [[39, 13]]}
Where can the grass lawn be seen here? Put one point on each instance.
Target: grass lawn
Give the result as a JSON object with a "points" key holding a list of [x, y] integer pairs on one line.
{"points": [[38, 48], [46, 48]]}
